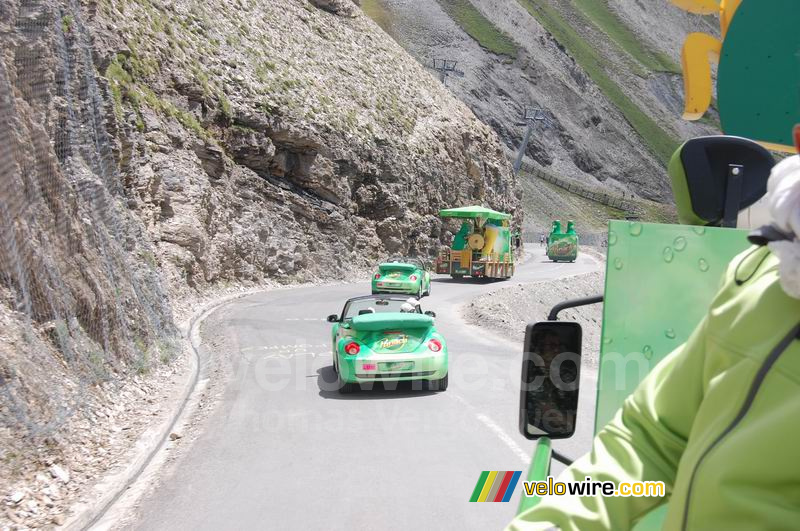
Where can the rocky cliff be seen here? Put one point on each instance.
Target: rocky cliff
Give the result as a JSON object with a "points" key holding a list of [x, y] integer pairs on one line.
{"points": [[284, 139], [153, 149]]}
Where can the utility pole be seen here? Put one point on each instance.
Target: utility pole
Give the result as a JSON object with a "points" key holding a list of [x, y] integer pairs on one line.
{"points": [[446, 67], [530, 116]]}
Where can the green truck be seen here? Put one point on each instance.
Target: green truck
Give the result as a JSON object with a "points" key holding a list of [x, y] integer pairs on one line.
{"points": [[482, 247], [562, 246]]}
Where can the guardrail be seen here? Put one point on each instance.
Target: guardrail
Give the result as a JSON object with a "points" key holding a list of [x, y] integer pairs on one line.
{"points": [[580, 189]]}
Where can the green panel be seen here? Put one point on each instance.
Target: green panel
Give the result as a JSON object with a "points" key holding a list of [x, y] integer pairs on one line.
{"points": [[538, 471], [660, 280], [758, 84], [562, 247]]}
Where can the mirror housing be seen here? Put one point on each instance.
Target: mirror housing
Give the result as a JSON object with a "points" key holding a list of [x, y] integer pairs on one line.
{"points": [[430, 314], [333, 318], [550, 380]]}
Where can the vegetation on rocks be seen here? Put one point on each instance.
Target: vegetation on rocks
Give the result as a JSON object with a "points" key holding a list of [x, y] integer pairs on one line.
{"points": [[479, 28], [662, 143]]}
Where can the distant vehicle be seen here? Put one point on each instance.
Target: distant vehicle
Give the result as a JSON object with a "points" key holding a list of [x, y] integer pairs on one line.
{"points": [[387, 338], [402, 275], [562, 246], [481, 248]]}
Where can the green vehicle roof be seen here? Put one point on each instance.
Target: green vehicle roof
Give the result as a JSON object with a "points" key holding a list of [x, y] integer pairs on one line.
{"points": [[380, 321], [474, 212]]}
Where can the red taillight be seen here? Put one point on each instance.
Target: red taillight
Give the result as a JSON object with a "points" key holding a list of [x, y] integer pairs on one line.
{"points": [[377, 276], [352, 348], [434, 345], [413, 278]]}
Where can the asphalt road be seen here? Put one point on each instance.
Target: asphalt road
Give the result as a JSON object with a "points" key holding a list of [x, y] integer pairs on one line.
{"points": [[284, 450]]}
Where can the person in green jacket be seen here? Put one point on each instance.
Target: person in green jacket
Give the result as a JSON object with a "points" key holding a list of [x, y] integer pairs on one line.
{"points": [[717, 419]]}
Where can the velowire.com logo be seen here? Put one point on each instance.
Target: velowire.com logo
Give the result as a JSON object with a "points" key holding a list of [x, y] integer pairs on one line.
{"points": [[495, 486]]}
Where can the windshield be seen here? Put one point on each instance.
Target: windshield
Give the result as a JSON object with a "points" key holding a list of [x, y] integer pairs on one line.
{"points": [[377, 305]]}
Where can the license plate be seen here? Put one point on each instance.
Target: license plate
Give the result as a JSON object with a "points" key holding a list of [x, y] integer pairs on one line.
{"points": [[396, 366]]}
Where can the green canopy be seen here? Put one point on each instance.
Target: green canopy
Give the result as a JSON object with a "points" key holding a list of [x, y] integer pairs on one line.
{"points": [[474, 212]]}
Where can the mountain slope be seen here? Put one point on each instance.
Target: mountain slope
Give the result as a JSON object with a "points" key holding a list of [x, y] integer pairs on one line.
{"points": [[609, 82]]}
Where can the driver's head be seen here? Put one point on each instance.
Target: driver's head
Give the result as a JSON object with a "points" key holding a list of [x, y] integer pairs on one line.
{"points": [[549, 345]]}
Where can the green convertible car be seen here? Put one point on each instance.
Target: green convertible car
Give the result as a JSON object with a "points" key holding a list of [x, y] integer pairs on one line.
{"points": [[402, 275], [387, 338]]}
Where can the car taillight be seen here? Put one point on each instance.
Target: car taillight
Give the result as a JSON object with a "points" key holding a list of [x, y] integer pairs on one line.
{"points": [[352, 348], [377, 276], [434, 345], [413, 278]]}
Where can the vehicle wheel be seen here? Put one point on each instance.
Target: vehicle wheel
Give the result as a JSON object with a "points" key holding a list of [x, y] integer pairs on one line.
{"points": [[335, 367], [428, 293], [439, 385], [420, 293], [345, 388]]}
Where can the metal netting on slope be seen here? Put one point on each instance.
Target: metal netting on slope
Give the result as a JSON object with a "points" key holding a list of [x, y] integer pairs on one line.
{"points": [[80, 297]]}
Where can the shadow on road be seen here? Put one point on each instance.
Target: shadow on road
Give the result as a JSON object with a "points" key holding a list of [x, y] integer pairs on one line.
{"points": [[329, 389], [466, 280]]}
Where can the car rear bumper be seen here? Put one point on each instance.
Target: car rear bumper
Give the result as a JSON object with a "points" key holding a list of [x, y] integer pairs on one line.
{"points": [[395, 287], [358, 369]]}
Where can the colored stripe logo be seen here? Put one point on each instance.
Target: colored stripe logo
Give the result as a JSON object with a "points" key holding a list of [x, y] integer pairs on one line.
{"points": [[495, 486]]}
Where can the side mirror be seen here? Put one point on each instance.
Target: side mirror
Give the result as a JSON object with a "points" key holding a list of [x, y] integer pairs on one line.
{"points": [[333, 318], [550, 380], [430, 314]]}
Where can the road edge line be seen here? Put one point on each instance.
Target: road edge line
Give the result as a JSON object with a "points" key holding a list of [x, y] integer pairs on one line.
{"points": [[152, 442]]}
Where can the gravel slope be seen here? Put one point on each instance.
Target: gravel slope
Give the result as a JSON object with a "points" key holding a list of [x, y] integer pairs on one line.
{"points": [[508, 311]]}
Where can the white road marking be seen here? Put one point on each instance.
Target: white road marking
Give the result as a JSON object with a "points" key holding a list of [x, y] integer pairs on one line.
{"points": [[496, 429]]}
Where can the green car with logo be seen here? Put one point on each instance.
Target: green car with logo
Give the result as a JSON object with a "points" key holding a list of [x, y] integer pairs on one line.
{"points": [[402, 275], [387, 338]]}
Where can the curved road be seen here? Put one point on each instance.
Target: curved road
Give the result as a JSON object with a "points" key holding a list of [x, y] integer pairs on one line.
{"points": [[284, 450]]}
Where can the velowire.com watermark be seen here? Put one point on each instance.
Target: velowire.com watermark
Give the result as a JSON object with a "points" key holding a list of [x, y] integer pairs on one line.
{"points": [[588, 487]]}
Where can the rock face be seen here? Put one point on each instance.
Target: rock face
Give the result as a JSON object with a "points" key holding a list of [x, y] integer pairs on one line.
{"points": [[208, 143], [277, 138], [337, 7]]}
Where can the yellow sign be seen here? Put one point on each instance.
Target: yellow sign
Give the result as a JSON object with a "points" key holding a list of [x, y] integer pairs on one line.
{"points": [[393, 343]]}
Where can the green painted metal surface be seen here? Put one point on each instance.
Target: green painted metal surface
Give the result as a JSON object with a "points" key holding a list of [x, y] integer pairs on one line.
{"points": [[660, 280], [758, 83], [538, 471]]}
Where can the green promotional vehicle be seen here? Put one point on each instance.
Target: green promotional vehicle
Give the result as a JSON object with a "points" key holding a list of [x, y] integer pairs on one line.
{"points": [[482, 248], [402, 275], [562, 246], [387, 338]]}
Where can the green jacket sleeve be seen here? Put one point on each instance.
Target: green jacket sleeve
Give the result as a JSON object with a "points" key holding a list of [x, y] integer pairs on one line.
{"points": [[644, 442]]}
